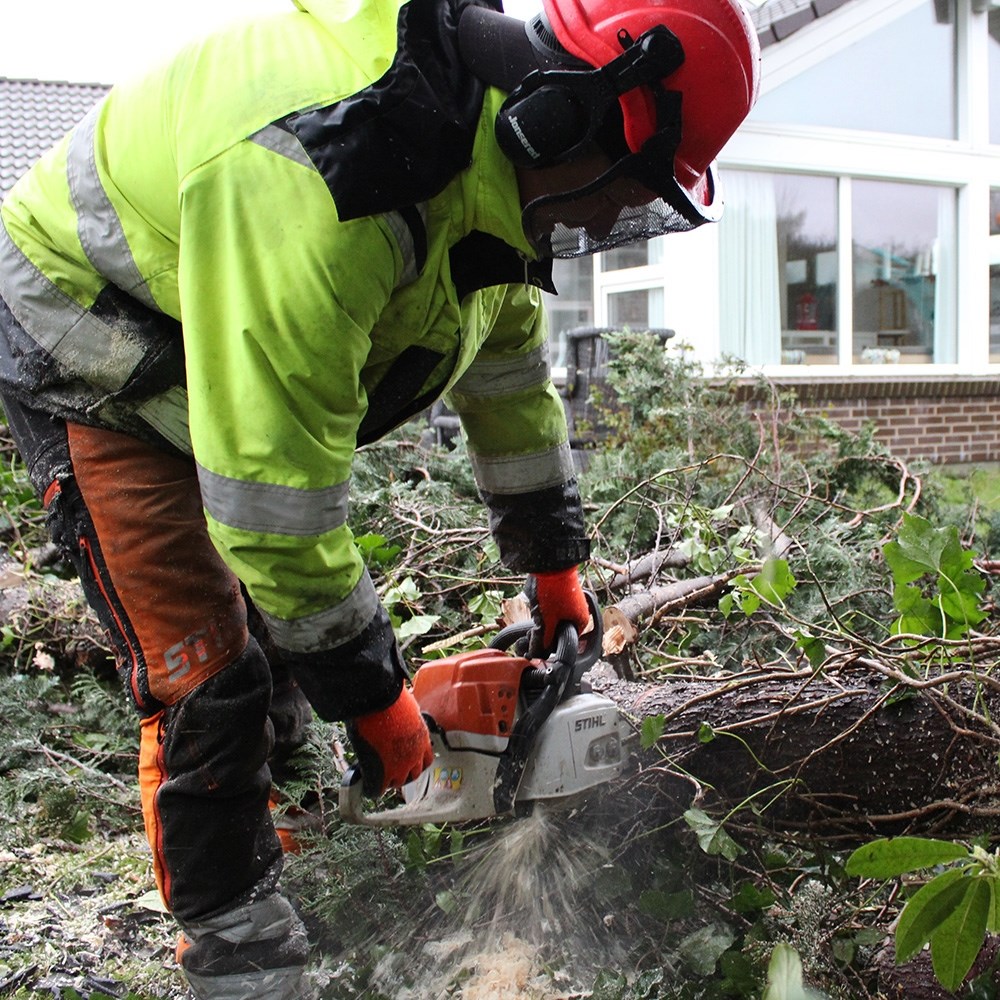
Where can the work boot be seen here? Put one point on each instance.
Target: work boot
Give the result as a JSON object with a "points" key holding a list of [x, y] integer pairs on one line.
{"points": [[254, 952]]}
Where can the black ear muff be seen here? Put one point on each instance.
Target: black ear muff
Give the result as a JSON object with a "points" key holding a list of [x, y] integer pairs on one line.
{"points": [[541, 126], [553, 114]]}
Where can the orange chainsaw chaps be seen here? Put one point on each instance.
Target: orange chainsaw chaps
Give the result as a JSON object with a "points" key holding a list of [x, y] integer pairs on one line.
{"points": [[474, 692]]}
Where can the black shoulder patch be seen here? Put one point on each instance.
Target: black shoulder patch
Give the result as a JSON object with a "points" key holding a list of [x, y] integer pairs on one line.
{"points": [[402, 139], [480, 260]]}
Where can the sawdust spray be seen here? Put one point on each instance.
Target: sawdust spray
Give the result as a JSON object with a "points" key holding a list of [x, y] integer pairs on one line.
{"points": [[522, 910]]}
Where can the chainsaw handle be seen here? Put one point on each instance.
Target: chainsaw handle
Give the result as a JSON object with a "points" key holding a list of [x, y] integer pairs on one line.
{"points": [[351, 801], [568, 641]]}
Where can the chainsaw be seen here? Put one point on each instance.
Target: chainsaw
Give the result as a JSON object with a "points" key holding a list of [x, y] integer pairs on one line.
{"points": [[507, 731]]}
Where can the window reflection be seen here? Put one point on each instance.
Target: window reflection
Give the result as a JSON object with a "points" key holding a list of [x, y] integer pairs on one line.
{"points": [[639, 309], [778, 267], [634, 255], [995, 275], [902, 250], [806, 221], [879, 83], [572, 307], [994, 91]]}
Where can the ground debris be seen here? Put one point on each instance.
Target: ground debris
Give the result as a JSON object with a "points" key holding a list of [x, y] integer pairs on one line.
{"points": [[66, 924]]}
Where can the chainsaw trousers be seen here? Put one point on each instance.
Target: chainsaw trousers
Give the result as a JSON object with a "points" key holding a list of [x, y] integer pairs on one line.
{"points": [[128, 516]]}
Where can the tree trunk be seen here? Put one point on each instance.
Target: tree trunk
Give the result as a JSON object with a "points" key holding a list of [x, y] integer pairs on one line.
{"points": [[839, 755]]}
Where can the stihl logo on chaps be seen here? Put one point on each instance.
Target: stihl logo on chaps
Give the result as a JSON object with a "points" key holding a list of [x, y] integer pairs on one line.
{"points": [[178, 656], [591, 722]]}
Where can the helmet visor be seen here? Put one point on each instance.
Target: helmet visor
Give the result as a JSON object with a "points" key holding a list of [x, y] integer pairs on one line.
{"points": [[629, 202]]}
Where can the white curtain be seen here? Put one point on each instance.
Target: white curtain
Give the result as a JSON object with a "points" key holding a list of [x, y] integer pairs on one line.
{"points": [[748, 266]]}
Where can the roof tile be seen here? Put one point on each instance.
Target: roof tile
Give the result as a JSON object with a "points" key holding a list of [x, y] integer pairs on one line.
{"points": [[775, 20], [34, 115]]}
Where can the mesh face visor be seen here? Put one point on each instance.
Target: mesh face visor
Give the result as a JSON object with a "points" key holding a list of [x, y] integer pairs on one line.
{"points": [[636, 198]]}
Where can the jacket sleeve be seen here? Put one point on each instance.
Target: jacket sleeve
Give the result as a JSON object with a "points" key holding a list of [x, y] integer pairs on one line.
{"points": [[277, 310], [516, 430]]}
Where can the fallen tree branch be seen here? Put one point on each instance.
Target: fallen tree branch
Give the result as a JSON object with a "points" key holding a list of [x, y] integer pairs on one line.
{"points": [[668, 598]]}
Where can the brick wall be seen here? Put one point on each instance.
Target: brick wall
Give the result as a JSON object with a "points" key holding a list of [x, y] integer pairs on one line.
{"points": [[942, 419]]}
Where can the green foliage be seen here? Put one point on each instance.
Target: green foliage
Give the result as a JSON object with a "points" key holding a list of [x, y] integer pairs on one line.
{"points": [[712, 836], [660, 397], [784, 976], [952, 911], [21, 514], [936, 589], [771, 586]]}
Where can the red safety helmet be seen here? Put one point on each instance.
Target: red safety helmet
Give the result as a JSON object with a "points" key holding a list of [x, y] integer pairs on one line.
{"points": [[656, 86], [718, 79]]}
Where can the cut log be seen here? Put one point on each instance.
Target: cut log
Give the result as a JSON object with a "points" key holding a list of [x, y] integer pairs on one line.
{"points": [[845, 755]]}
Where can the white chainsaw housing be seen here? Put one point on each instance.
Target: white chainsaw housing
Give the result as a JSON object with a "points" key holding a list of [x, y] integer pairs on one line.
{"points": [[578, 746]]}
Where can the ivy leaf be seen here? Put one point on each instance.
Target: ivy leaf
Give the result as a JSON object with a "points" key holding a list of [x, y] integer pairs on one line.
{"points": [[916, 550], [774, 582], [702, 949], [963, 604], [930, 906], [784, 976], [608, 985], [417, 625], [919, 616], [486, 605], [749, 899], [666, 906], [712, 837], [921, 550], [896, 855], [376, 550], [652, 729], [815, 649], [705, 732], [958, 939]]}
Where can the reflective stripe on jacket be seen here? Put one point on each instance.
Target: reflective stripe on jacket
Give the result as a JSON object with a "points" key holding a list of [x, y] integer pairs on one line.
{"points": [[194, 260]]}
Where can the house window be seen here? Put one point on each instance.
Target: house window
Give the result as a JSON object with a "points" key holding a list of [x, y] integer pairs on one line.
{"points": [[572, 307], [778, 267], [903, 235], [900, 78], [634, 255], [785, 298], [995, 275], [637, 309]]}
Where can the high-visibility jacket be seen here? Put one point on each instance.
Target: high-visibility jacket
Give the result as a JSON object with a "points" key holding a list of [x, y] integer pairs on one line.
{"points": [[286, 241]]}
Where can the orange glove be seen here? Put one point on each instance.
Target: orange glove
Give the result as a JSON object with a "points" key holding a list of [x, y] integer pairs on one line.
{"points": [[393, 745], [560, 598]]}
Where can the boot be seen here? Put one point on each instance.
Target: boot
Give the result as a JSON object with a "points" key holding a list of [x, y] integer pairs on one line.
{"points": [[253, 952]]}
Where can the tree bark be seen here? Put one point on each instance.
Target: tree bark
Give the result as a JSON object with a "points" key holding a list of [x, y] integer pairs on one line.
{"points": [[843, 755]]}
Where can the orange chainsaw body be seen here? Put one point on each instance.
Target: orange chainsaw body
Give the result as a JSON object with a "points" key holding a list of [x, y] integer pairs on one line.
{"points": [[474, 692]]}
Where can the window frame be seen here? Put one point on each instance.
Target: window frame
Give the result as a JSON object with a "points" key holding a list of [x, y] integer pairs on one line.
{"points": [[968, 163]]}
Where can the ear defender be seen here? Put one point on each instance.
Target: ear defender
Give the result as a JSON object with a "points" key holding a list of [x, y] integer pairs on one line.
{"points": [[551, 115], [540, 125]]}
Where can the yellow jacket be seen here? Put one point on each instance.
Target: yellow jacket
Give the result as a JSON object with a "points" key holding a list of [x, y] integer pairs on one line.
{"points": [[288, 240]]}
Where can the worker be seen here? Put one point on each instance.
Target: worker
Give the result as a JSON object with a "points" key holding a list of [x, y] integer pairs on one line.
{"points": [[278, 246]]}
